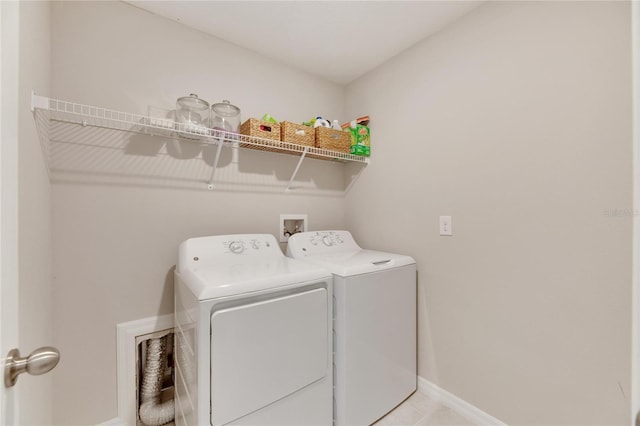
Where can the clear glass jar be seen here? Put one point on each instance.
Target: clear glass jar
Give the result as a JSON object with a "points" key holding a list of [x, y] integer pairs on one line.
{"points": [[192, 115], [226, 118]]}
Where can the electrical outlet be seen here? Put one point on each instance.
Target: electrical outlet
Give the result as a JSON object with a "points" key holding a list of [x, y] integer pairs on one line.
{"points": [[292, 224], [446, 226]]}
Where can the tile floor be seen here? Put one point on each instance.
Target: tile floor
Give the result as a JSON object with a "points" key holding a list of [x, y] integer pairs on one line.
{"points": [[420, 410]]}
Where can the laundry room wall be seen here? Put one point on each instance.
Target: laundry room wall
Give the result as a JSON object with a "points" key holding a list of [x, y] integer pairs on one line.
{"points": [[117, 227], [34, 215], [516, 121]]}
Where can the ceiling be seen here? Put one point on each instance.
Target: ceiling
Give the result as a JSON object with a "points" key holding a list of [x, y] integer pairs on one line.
{"points": [[336, 40]]}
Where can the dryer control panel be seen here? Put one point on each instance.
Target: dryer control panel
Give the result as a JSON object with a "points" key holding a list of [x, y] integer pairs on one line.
{"points": [[197, 252], [243, 244], [320, 242]]}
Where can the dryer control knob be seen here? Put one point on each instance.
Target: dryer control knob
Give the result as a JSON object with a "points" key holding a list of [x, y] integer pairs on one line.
{"points": [[327, 240], [236, 247]]}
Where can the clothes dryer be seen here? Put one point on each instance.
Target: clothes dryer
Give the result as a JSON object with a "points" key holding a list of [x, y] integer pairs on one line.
{"points": [[374, 323], [253, 335]]}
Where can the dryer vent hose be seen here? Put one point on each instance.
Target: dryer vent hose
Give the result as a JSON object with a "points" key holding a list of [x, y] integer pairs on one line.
{"points": [[152, 411]]}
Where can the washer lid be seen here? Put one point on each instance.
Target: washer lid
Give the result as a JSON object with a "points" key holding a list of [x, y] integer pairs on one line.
{"points": [[338, 252], [358, 262], [227, 265]]}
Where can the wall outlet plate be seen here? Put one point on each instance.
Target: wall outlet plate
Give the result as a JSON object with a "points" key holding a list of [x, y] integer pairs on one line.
{"points": [[446, 226], [292, 224]]}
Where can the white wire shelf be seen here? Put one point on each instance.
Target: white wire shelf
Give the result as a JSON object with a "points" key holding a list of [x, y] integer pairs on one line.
{"points": [[86, 115]]}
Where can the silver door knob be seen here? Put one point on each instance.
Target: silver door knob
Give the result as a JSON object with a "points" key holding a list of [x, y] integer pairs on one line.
{"points": [[40, 361]]}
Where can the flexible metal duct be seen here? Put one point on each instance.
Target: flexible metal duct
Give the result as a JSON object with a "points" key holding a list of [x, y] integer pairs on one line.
{"points": [[152, 411]]}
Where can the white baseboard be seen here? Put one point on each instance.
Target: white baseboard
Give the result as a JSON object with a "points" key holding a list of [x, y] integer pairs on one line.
{"points": [[462, 407]]}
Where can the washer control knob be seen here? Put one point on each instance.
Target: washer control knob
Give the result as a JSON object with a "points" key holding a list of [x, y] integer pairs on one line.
{"points": [[326, 240], [255, 245], [236, 247]]}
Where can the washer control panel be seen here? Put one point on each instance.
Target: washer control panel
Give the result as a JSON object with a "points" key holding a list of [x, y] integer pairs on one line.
{"points": [[320, 242], [328, 238]]}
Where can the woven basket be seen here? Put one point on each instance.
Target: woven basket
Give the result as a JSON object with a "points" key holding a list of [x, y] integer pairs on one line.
{"points": [[333, 140], [260, 129], [297, 133]]}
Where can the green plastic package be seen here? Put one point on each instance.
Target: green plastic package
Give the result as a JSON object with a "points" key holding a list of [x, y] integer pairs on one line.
{"points": [[360, 140]]}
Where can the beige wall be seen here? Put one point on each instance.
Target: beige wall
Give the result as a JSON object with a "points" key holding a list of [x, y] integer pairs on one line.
{"points": [[34, 210], [116, 233], [515, 120]]}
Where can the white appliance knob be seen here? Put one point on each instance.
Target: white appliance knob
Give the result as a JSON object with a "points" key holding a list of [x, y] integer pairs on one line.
{"points": [[255, 245], [236, 247], [327, 241]]}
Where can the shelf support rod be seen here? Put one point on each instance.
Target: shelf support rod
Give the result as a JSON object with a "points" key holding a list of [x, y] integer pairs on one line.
{"points": [[295, 172], [215, 165]]}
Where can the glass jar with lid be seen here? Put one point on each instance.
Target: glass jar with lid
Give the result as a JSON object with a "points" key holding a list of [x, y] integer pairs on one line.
{"points": [[225, 120], [192, 115]]}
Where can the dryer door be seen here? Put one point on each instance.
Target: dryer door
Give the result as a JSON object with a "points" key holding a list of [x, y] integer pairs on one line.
{"points": [[262, 352]]}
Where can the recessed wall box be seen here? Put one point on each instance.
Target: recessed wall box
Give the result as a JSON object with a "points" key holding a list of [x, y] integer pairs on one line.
{"points": [[292, 224]]}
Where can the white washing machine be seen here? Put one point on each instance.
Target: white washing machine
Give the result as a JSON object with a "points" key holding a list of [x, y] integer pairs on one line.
{"points": [[374, 323], [253, 335]]}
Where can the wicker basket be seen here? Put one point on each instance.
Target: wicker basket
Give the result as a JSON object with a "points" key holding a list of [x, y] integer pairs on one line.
{"points": [[333, 140], [260, 129], [297, 133]]}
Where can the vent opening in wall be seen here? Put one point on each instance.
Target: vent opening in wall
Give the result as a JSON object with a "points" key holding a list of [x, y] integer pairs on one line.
{"points": [[154, 379]]}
